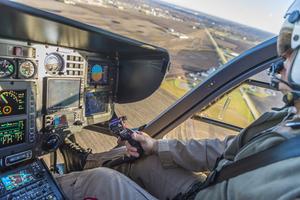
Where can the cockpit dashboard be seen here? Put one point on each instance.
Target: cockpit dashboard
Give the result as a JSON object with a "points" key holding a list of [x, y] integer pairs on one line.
{"points": [[47, 91], [58, 76]]}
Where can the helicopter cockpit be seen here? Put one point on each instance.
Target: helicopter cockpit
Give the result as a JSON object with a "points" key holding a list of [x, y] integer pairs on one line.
{"points": [[56, 77]]}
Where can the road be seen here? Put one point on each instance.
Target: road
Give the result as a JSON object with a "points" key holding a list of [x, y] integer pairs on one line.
{"points": [[217, 48]]}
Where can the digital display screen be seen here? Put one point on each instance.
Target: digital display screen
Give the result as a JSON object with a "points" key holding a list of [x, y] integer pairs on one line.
{"points": [[60, 121], [12, 102], [12, 133], [63, 93], [95, 102], [98, 74], [16, 180]]}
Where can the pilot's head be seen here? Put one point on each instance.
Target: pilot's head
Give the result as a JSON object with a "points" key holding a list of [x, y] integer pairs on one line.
{"points": [[288, 47]]}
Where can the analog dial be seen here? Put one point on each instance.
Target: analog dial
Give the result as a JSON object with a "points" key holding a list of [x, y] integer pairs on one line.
{"points": [[7, 68], [27, 69], [54, 63]]}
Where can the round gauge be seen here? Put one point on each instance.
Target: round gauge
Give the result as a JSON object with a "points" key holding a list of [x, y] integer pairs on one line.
{"points": [[54, 63], [7, 68], [27, 69], [12, 102]]}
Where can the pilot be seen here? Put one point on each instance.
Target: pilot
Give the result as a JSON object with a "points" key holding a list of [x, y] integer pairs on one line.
{"points": [[172, 169]]}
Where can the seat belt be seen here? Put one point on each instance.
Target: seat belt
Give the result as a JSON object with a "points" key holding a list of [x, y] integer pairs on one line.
{"points": [[283, 151]]}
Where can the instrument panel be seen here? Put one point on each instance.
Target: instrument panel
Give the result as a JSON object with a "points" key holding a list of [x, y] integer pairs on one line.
{"points": [[47, 92]]}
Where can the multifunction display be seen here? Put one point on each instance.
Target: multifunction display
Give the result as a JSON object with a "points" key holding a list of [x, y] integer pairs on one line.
{"points": [[30, 181], [98, 74], [63, 94], [12, 133], [95, 102], [12, 102], [18, 179]]}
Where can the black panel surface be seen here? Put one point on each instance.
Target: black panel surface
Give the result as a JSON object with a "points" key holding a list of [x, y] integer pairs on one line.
{"points": [[134, 78]]}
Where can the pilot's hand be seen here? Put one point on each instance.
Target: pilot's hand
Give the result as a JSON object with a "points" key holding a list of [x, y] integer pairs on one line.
{"points": [[121, 142], [148, 144]]}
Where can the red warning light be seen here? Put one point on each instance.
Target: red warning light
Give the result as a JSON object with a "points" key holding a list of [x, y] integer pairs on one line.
{"points": [[18, 51]]}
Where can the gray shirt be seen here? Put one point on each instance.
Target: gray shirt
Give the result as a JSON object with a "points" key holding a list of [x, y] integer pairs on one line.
{"points": [[279, 180]]}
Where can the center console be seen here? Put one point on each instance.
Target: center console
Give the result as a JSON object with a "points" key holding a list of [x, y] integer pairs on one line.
{"points": [[32, 181], [19, 141], [17, 122]]}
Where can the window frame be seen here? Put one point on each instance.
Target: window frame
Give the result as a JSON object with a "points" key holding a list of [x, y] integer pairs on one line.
{"points": [[236, 71], [229, 126], [217, 123]]}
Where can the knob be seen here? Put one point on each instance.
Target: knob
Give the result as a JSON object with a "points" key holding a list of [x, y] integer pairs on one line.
{"points": [[52, 142], [9, 197], [39, 174]]}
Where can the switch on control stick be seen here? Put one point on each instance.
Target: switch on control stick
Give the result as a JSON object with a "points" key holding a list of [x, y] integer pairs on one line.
{"points": [[118, 128]]}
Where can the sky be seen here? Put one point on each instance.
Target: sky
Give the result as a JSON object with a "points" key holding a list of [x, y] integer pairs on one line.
{"points": [[263, 14]]}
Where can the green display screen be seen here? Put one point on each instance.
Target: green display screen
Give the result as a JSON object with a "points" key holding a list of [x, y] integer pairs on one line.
{"points": [[12, 133]]}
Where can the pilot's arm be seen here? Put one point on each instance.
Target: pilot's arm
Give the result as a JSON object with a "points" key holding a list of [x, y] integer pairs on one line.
{"points": [[193, 155]]}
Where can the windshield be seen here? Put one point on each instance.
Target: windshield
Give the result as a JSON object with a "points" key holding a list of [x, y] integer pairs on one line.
{"points": [[200, 36]]}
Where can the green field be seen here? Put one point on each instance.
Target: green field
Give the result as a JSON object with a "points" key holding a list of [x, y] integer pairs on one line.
{"points": [[232, 109], [172, 86], [225, 109]]}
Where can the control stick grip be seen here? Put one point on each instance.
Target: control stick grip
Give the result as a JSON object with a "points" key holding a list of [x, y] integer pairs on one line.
{"points": [[137, 145], [117, 127]]}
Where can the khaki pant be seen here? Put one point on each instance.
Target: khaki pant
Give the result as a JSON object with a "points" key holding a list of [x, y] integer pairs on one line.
{"points": [[144, 179]]}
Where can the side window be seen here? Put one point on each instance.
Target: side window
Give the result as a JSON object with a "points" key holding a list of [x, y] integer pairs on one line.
{"points": [[231, 112], [196, 129], [243, 105]]}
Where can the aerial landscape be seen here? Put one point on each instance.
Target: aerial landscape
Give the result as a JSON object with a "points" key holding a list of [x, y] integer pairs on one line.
{"points": [[198, 44]]}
